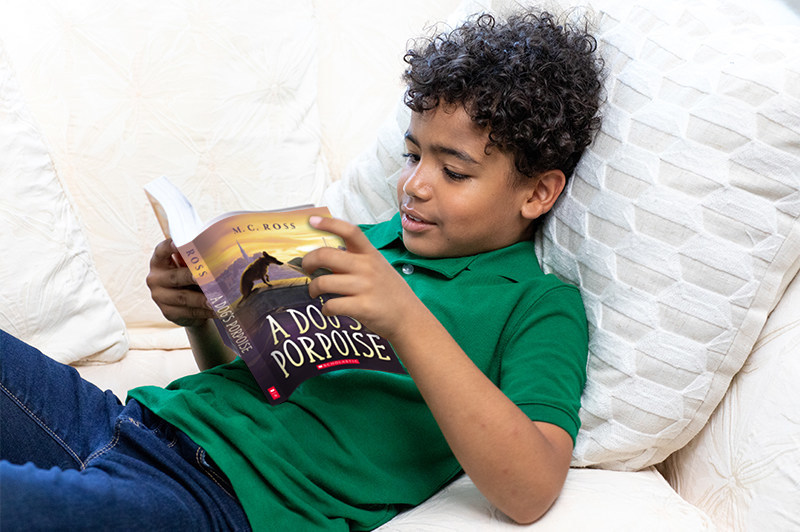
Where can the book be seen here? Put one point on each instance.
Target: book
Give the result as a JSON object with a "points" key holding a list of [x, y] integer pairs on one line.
{"points": [[249, 266]]}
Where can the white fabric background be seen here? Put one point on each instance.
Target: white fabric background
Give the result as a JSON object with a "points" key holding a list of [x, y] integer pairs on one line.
{"points": [[189, 91], [221, 97]]}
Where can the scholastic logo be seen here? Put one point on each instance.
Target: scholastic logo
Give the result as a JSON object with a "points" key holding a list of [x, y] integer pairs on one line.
{"points": [[274, 393], [338, 363]]}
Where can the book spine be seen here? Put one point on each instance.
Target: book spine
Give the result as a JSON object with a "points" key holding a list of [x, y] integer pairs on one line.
{"points": [[238, 335], [239, 339]]}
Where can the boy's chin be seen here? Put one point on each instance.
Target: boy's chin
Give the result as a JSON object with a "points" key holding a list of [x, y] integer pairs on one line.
{"points": [[430, 248], [422, 247]]}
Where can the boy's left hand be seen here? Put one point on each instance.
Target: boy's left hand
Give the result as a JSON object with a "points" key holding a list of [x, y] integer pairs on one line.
{"points": [[372, 291]]}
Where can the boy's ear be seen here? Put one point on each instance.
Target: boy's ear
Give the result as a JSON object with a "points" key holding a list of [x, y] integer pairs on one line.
{"points": [[543, 193]]}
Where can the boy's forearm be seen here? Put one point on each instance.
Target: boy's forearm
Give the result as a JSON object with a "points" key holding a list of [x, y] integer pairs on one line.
{"points": [[207, 346], [519, 465]]}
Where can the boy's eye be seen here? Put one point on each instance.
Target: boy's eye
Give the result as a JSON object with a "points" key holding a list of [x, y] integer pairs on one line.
{"points": [[414, 158], [455, 176]]}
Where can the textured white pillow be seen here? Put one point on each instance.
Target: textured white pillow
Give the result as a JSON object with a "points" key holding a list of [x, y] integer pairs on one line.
{"points": [[50, 295], [220, 96], [680, 225]]}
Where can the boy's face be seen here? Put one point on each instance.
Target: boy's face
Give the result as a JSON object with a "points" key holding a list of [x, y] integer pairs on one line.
{"points": [[456, 198]]}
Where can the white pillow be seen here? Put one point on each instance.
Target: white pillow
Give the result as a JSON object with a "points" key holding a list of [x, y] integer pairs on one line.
{"points": [[50, 295], [680, 225]]}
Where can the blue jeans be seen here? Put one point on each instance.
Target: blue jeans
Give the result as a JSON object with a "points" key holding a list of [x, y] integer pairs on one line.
{"points": [[72, 457]]}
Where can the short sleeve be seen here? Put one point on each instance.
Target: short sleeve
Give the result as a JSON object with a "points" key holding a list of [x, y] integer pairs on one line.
{"points": [[543, 365]]}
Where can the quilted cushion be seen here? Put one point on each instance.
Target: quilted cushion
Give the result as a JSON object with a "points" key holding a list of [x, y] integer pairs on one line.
{"points": [[50, 294], [680, 225]]}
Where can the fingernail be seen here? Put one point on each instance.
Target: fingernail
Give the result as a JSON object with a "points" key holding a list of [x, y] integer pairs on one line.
{"points": [[314, 220]]}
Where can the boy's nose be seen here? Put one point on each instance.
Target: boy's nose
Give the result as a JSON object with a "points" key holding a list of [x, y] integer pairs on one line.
{"points": [[417, 184]]}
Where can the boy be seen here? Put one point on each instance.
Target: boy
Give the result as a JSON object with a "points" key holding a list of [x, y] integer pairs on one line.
{"points": [[495, 350]]}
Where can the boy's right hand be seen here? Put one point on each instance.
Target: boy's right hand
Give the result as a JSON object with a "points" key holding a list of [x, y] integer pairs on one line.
{"points": [[174, 290]]}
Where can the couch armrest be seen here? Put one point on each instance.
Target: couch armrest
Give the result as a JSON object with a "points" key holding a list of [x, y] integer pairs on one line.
{"points": [[743, 468]]}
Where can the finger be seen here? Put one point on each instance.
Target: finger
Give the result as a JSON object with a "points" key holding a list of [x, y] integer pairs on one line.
{"points": [[167, 255], [354, 238], [170, 277], [333, 259], [353, 307], [162, 254], [186, 315], [180, 298], [340, 284], [335, 307]]}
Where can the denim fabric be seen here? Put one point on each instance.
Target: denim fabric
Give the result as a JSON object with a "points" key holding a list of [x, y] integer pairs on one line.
{"points": [[72, 457]]}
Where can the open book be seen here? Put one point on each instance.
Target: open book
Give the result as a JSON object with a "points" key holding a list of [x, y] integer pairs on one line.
{"points": [[248, 265]]}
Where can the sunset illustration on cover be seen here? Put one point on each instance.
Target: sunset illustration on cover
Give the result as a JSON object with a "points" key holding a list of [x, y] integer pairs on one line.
{"points": [[285, 235]]}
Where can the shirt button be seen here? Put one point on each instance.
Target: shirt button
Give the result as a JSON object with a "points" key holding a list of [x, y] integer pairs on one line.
{"points": [[407, 269]]}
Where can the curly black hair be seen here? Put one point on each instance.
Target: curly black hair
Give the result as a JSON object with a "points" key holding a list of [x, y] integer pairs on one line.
{"points": [[533, 81]]}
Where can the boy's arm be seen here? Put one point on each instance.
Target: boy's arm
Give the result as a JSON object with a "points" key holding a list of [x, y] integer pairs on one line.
{"points": [[176, 293], [207, 346], [519, 465]]}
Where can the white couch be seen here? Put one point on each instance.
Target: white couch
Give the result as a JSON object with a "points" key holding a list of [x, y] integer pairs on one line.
{"points": [[681, 225]]}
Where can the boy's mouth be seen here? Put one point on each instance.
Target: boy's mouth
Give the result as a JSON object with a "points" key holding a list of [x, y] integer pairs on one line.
{"points": [[411, 221]]}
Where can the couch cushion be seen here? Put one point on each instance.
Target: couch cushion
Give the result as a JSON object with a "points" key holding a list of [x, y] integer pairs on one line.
{"points": [[221, 97], [592, 499], [141, 367], [680, 225], [50, 294]]}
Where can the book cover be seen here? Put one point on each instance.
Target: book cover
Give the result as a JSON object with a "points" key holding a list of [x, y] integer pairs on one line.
{"points": [[248, 265]]}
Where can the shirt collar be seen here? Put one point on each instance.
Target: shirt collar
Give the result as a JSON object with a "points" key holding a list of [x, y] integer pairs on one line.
{"points": [[516, 258], [384, 234]]}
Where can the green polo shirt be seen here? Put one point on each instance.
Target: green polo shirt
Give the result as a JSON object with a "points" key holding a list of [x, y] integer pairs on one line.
{"points": [[352, 448]]}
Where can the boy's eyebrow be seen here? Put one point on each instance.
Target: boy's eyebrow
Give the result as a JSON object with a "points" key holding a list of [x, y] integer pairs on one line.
{"points": [[462, 155]]}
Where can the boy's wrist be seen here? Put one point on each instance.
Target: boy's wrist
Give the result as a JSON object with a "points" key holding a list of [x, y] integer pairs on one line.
{"points": [[417, 332]]}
